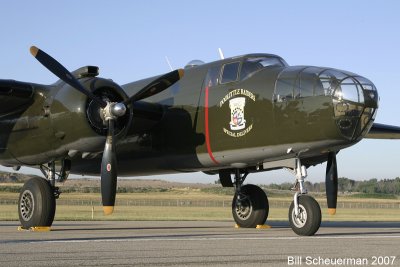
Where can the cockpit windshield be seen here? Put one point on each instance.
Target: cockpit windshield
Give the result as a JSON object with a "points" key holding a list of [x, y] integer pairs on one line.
{"points": [[254, 64]]}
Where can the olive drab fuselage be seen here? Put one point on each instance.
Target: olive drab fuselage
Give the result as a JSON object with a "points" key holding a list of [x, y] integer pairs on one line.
{"points": [[240, 112]]}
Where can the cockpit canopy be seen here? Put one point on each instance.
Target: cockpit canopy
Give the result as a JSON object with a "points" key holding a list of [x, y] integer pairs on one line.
{"points": [[242, 68], [252, 65]]}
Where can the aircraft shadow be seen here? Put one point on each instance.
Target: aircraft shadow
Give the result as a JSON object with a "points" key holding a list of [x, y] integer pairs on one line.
{"points": [[274, 224], [137, 228]]}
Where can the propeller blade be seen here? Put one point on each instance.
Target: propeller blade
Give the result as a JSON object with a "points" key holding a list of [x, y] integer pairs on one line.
{"points": [[109, 172], [331, 183], [157, 86], [61, 72]]}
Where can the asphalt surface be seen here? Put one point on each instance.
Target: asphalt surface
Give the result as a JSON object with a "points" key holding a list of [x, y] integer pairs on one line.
{"points": [[188, 243]]}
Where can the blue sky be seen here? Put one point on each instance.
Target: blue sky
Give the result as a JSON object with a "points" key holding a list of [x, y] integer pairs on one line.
{"points": [[129, 40]]}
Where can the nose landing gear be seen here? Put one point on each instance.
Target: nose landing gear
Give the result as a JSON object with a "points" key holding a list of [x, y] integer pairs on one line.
{"points": [[304, 211], [308, 218]]}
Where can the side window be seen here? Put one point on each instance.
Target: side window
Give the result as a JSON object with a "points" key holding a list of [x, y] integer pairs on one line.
{"points": [[230, 72], [310, 84], [212, 76], [306, 87], [287, 86], [284, 89]]}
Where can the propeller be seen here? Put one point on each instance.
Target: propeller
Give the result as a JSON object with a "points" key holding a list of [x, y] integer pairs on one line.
{"points": [[61, 72], [331, 183], [111, 112]]}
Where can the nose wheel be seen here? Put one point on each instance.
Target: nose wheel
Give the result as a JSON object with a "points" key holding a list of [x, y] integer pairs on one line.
{"points": [[304, 211], [308, 218]]}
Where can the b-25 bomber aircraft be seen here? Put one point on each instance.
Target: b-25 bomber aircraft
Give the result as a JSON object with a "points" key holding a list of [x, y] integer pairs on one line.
{"points": [[231, 117]]}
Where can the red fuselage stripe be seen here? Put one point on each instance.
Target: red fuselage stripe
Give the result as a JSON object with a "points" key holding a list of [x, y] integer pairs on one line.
{"points": [[207, 129]]}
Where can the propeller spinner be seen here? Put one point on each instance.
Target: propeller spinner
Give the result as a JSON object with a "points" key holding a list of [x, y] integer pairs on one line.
{"points": [[111, 111]]}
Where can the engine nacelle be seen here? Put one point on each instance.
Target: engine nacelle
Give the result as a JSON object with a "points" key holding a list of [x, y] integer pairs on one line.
{"points": [[58, 122], [77, 121]]}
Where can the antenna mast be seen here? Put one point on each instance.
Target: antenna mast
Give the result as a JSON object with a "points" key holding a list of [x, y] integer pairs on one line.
{"points": [[169, 63], [221, 54]]}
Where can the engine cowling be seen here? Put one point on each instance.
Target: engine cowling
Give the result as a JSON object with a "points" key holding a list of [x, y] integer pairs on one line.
{"points": [[77, 120]]}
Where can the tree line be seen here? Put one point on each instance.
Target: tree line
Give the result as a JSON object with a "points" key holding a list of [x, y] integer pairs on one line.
{"points": [[346, 185]]}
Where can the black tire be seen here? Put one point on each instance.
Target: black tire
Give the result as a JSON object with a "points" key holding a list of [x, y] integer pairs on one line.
{"points": [[309, 219], [37, 204], [252, 209]]}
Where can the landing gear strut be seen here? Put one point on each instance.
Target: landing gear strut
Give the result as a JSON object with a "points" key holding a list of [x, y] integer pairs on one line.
{"points": [[250, 204], [37, 200], [304, 212]]}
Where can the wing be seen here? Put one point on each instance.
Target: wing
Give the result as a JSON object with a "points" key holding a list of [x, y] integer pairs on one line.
{"points": [[383, 131]]}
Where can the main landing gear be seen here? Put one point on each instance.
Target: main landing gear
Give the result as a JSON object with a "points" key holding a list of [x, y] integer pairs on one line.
{"points": [[250, 204], [37, 200]]}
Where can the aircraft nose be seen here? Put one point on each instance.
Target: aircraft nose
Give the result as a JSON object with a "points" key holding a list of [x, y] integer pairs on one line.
{"points": [[354, 98], [355, 101]]}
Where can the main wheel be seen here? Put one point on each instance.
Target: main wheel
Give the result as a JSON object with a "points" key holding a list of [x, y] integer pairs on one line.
{"points": [[308, 221], [37, 204], [250, 207]]}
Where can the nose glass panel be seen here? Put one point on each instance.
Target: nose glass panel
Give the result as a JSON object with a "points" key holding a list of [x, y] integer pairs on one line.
{"points": [[355, 100]]}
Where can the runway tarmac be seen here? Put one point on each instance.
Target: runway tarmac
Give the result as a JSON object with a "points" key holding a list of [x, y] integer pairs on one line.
{"points": [[193, 243]]}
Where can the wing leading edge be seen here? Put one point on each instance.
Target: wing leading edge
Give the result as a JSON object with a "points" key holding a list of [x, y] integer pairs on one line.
{"points": [[383, 131]]}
